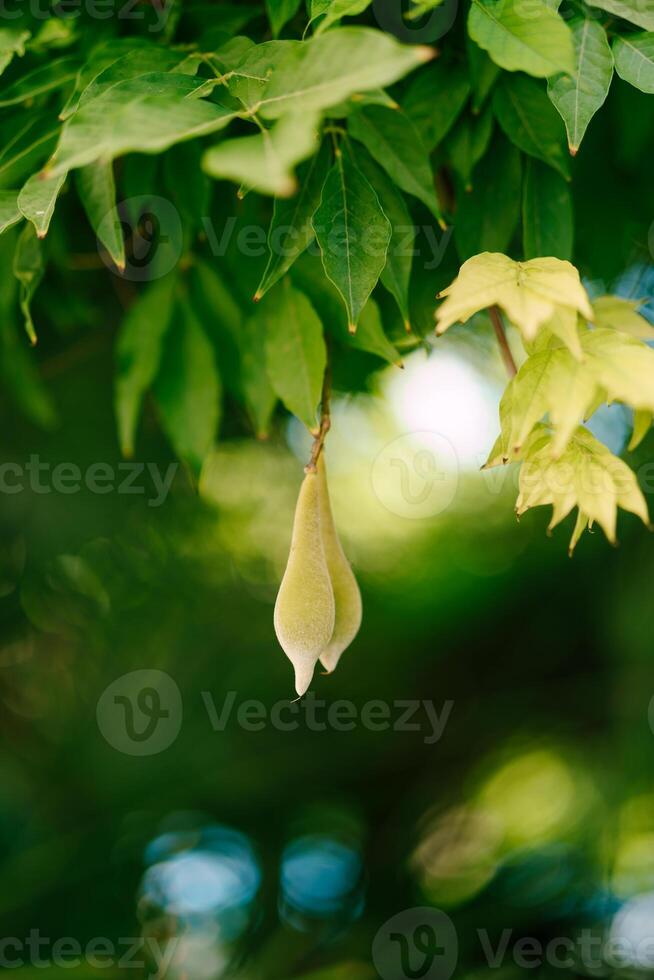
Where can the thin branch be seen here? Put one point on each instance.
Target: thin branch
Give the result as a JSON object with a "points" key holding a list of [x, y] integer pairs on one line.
{"points": [[325, 418], [500, 333]]}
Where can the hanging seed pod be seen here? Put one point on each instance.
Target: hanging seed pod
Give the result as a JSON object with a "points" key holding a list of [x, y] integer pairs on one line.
{"points": [[304, 610], [347, 597]]}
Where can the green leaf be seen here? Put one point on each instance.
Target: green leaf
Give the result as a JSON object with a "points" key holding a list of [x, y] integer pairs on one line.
{"points": [[530, 293], [487, 215], [613, 367], [291, 231], [483, 73], [26, 141], [370, 336], [639, 12], [467, 144], [434, 98], [642, 425], [265, 162], [12, 42], [20, 376], [147, 115], [577, 97], [396, 275], [37, 201], [188, 389], [28, 269], [326, 70], [353, 233], [621, 314], [97, 191], [9, 211], [547, 218], [587, 475], [394, 142], [140, 63], [529, 120], [334, 10], [258, 393], [46, 78], [295, 350], [280, 12], [250, 73], [634, 60], [101, 57], [138, 355], [534, 39]]}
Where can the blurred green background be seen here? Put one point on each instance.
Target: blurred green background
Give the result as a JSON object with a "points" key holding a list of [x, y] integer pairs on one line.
{"points": [[271, 853]]}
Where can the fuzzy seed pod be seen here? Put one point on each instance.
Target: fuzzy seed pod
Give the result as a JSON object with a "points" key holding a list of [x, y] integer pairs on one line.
{"points": [[347, 598], [304, 610]]}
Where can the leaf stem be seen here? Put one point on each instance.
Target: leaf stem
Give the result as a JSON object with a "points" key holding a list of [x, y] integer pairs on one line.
{"points": [[500, 333], [325, 418]]}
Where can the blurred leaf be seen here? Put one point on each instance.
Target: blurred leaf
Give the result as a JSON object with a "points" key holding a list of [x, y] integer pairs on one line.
{"points": [[295, 350], [488, 214], [468, 142], [188, 388], [370, 336], [138, 355], [265, 162], [396, 274], [529, 120], [535, 40], [189, 188], [97, 191], [635, 11], [28, 269], [46, 78], [251, 67], [147, 114], [434, 98], [9, 210], [547, 218], [353, 233], [27, 140], [634, 60], [258, 393], [328, 69], [20, 376], [483, 73], [395, 143], [621, 314], [332, 11], [37, 200], [291, 230], [12, 42], [577, 97], [280, 12], [642, 425]]}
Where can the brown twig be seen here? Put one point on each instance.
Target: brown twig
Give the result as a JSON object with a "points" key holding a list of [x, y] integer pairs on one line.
{"points": [[325, 418], [500, 333]]}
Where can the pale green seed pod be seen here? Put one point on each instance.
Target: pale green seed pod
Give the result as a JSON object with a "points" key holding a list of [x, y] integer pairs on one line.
{"points": [[304, 611], [347, 597]]}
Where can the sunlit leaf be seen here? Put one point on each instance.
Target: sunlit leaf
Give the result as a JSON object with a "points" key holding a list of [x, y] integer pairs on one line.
{"points": [[9, 210], [621, 314], [37, 201], [587, 475], [12, 42], [530, 293], [640, 12]]}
